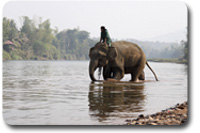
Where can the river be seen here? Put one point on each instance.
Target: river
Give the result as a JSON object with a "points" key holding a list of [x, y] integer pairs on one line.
{"points": [[61, 93]]}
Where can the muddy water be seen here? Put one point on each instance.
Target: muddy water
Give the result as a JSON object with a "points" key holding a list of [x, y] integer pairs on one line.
{"points": [[61, 93]]}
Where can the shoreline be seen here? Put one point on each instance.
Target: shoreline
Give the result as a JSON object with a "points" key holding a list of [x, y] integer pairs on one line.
{"points": [[172, 116], [168, 60]]}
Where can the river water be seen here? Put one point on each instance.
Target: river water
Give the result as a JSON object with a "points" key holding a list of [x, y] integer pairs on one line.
{"points": [[61, 93]]}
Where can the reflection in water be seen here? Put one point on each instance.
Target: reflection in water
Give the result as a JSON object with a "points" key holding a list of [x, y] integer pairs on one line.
{"points": [[108, 99]]}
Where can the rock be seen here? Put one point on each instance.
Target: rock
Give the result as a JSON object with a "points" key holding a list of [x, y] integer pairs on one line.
{"points": [[141, 116], [153, 115], [183, 121], [171, 116], [133, 123], [154, 124], [181, 107], [128, 121], [150, 118]]}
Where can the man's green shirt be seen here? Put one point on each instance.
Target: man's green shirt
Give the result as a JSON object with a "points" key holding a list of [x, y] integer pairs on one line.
{"points": [[106, 35]]}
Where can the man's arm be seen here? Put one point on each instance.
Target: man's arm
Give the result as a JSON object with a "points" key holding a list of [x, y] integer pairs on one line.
{"points": [[105, 41], [100, 39]]}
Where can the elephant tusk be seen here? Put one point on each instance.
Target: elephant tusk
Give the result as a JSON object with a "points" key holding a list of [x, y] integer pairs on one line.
{"points": [[99, 73]]}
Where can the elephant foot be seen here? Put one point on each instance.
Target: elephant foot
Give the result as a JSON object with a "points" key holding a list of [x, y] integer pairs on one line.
{"points": [[112, 80], [137, 80]]}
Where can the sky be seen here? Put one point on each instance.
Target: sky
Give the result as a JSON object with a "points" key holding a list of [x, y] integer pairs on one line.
{"points": [[130, 19]]}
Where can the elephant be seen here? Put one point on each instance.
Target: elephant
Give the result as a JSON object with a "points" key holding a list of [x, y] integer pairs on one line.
{"points": [[121, 58]]}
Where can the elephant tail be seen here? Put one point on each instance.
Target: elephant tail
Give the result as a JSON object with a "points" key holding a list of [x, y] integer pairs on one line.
{"points": [[152, 71]]}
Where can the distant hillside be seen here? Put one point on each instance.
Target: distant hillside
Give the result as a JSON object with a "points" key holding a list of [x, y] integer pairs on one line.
{"points": [[153, 45], [160, 49], [176, 36]]}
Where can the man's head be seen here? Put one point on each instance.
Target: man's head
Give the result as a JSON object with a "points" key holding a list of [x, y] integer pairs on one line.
{"points": [[103, 28]]}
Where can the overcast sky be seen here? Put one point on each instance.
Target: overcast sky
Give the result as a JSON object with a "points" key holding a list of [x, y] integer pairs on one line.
{"points": [[133, 19]]}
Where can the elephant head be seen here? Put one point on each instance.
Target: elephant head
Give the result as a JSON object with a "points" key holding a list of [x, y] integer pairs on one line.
{"points": [[100, 55]]}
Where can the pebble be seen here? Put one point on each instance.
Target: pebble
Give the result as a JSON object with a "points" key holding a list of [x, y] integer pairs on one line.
{"points": [[172, 116], [141, 116]]}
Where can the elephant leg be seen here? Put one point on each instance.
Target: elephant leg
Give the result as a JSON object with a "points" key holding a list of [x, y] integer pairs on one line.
{"points": [[137, 71], [106, 72], [142, 76], [134, 76], [118, 74]]}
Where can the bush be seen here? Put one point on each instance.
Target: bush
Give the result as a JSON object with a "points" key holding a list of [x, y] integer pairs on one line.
{"points": [[6, 55]]}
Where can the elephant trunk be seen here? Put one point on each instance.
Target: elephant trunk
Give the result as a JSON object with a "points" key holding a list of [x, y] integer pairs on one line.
{"points": [[92, 67]]}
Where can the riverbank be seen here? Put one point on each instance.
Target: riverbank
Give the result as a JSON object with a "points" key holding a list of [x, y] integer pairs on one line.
{"points": [[168, 60], [173, 116]]}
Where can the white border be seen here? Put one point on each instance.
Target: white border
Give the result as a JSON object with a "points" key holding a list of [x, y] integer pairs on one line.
{"points": [[194, 96]]}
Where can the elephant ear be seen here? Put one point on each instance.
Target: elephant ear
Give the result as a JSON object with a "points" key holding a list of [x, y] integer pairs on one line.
{"points": [[112, 53], [90, 53], [103, 50]]}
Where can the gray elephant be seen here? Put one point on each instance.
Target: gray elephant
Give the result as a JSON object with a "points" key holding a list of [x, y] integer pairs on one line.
{"points": [[122, 58]]}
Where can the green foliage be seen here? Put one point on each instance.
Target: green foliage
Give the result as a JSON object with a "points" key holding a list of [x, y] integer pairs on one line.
{"points": [[9, 29], [28, 28], [16, 54], [185, 49], [73, 44], [39, 41], [6, 55], [40, 48]]}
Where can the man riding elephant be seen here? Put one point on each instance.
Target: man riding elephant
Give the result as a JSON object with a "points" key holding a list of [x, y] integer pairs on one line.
{"points": [[105, 38], [120, 59]]}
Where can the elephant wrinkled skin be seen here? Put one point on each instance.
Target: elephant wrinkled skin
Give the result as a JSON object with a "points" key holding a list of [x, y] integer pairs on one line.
{"points": [[122, 58]]}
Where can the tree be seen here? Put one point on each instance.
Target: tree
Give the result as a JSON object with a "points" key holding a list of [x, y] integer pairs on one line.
{"points": [[29, 28], [40, 41], [185, 49], [9, 29]]}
